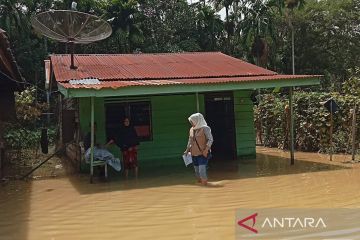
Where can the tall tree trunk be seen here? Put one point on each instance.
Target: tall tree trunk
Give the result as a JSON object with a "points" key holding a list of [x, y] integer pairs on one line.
{"points": [[204, 3], [227, 29]]}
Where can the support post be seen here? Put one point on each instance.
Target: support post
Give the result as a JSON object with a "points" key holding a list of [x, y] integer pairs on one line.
{"points": [[92, 141], [2, 151], [353, 134], [331, 130], [48, 107], [291, 98], [293, 50], [2, 160], [261, 121], [72, 49], [61, 120], [292, 159]]}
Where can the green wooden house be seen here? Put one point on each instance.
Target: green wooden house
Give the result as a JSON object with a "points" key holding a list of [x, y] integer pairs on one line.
{"points": [[159, 92]]}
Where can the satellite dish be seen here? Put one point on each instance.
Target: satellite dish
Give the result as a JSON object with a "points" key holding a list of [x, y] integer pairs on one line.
{"points": [[71, 27]]}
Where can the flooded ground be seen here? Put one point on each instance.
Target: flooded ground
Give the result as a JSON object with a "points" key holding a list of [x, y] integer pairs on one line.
{"points": [[166, 203]]}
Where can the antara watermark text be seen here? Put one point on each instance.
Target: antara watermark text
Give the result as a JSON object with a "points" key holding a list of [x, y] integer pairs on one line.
{"points": [[302, 223], [292, 222]]}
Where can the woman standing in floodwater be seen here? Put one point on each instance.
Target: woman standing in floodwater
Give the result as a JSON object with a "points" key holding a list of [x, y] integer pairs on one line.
{"points": [[199, 144], [127, 140]]}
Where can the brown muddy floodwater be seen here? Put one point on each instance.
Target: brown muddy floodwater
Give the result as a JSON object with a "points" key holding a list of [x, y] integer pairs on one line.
{"points": [[166, 203]]}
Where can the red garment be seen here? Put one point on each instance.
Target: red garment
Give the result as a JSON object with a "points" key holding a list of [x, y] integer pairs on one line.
{"points": [[130, 158]]}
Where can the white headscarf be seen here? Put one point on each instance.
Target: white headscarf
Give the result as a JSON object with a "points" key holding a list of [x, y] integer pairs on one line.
{"points": [[198, 120]]}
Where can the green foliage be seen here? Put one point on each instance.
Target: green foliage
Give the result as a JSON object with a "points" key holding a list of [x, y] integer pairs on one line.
{"points": [[168, 25], [209, 27], [28, 110], [20, 138], [352, 85], [24, 138], [24, 133], [229, 25], [12, 18], [326, 33], [312, 121], [273, 118], [257, 28], [326, 40], [123, 13]]}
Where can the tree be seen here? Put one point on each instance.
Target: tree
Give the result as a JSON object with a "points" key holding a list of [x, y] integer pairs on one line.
{"points": [[327, 37], [256, 28], [168, 26], [352, 84], [12, 18], [290, 5], [123, 14], [209, 27], [229, 25]]}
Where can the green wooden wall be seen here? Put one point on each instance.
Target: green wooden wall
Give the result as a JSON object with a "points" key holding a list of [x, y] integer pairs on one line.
{"points": [[85, 117], [170, 126], [244, 124]]}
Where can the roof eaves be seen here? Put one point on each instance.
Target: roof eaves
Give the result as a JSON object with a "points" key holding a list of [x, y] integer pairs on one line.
{"points": [[192, 81], [173, 78], [139, 54], [8, 54]]}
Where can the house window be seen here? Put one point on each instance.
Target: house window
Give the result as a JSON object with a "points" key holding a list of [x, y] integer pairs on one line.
{"points": [[139, 114]]}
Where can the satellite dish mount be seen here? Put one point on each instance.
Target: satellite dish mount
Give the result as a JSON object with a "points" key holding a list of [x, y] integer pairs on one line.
{"points": [[71, 27], [72, 49]]}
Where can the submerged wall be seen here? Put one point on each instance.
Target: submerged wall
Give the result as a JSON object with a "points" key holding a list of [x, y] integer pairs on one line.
{"points": [[170, 126], [244, 124]]}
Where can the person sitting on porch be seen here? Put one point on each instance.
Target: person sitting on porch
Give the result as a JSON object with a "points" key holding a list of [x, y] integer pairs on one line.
{"points": [[199, 144], [127, 140], [100, 153]]}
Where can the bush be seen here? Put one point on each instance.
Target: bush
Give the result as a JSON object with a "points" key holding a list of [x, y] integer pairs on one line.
{"points": [[22, 138], [25, 133], [28, 110], [312, 121]]}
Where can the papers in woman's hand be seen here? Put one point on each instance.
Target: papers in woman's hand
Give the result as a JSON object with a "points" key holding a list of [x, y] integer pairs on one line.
{"points": [[187, 159]]}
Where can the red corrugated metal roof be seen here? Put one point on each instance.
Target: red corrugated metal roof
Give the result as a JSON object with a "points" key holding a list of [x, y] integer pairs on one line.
{"points": [[124, 70], [153, 66], [122, 84]]}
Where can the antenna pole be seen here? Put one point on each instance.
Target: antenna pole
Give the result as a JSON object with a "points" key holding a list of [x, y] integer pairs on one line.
{"points": [[72, 47]]}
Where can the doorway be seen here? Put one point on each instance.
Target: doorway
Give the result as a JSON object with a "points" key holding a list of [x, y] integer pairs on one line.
{"points": [[219, 109]]}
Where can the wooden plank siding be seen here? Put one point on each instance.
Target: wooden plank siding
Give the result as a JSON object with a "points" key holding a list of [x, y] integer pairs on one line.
{"points": [[170, 126], [84, 114], [244, 124]]}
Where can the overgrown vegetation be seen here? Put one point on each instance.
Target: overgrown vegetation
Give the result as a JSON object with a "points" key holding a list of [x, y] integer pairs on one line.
{"points": [[312, 121], [326, 32], [326, 41], [24, 134]]}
